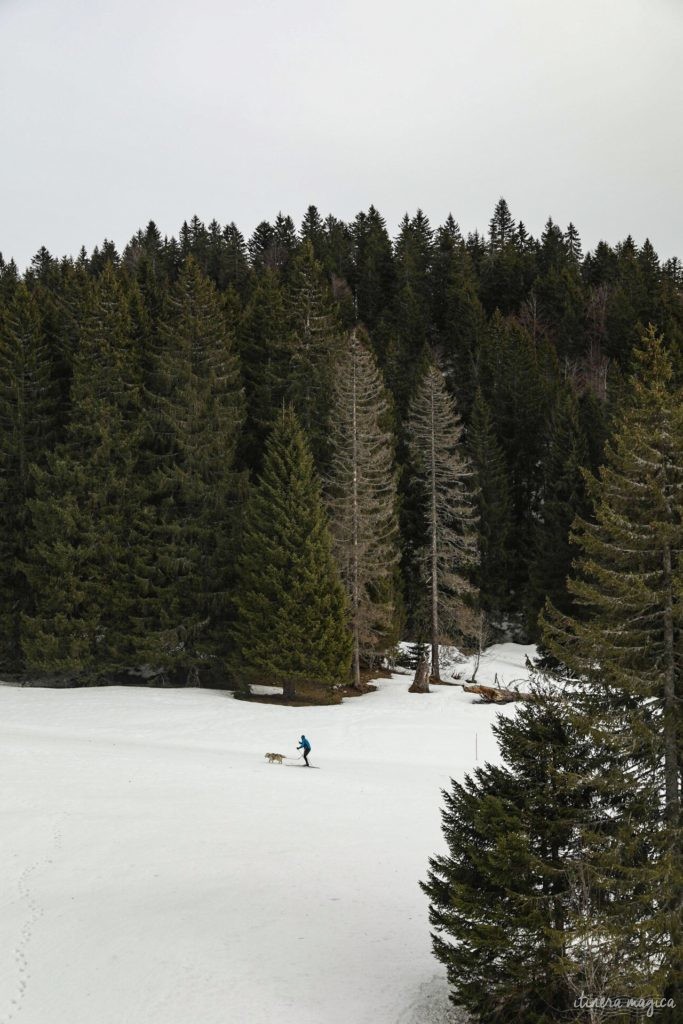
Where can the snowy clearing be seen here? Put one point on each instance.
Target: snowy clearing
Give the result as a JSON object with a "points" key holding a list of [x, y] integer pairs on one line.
{"points": [[155, 869]]}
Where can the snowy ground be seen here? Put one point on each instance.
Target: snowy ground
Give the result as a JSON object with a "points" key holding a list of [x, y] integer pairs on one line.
{"points": [[154, 869]]}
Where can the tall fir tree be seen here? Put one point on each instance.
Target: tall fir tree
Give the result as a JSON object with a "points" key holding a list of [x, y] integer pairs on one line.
{"points": [[374, 278], [459, 319], [291, 626], [315, 344], [265, 348], [519, 376], [195, 407], [84, 513], [444, 475], [501, 898], [362, 498], [624, 653], [494, 511], [562, 497], [28, 424]]}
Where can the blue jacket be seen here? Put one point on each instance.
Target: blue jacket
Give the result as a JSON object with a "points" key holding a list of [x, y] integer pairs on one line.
{"points": [[304, 745]]}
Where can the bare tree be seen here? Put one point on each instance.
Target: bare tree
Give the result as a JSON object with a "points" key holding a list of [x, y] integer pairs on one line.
{"points": [[361, 496], [435, 434], [477, 629]]}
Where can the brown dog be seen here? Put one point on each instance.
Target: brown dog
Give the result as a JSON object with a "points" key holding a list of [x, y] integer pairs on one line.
{"points": [[272, 758]]}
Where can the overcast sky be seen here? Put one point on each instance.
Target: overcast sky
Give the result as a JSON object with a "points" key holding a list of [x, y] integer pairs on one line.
{"points": [[114, 113]]}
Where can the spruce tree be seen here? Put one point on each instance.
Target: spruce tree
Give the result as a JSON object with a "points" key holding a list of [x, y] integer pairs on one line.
{"points": [[361, 496], [260, 247], [374, 277], [519, 376], [494, 511], [265, 353], [503, 279], [195, 407], [445, 477], [562, 497], [623, 650], [501, 897], [82, 542], [313, 231], [28, 408], [315, 339], [291, 626], [459, 319]]}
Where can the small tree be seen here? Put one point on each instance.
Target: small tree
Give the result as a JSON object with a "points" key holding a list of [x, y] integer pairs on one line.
{"points": [[291, 623], [444, 473]]}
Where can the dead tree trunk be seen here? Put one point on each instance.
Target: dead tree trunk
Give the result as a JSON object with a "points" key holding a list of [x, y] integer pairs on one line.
{"points": [[421, 680]]}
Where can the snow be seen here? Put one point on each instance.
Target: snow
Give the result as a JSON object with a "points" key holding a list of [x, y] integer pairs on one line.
{"points": [[504, 665], [155, 869]]}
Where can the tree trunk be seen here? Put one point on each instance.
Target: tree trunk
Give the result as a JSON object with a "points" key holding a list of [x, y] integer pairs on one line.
{"points": [[355, 597], [671, 756], [421, 680], [672, 798], [288, 690], [434, 560], [356, 661]]}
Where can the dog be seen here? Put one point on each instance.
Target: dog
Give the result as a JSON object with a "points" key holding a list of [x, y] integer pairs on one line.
{"points": [[272, 758]]}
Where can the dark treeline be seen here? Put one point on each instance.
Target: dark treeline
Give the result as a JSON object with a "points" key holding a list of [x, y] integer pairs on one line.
{"points": [[138, 391]]}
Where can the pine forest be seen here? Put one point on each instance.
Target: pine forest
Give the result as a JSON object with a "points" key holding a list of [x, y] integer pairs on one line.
{"points": [[447, 395], [231, 462]]}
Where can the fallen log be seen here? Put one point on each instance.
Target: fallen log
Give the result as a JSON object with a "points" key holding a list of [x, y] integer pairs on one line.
{"points": [[496, 695]]}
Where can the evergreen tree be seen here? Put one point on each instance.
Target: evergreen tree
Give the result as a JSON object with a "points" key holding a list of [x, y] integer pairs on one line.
{"points": [[338, 250], [291, 623], [504, 271], [562, 497], [362, 497], [194, 413], [572, 241], [265, 351], [494, 511], [261, 247], [374, 266], [459, 319], [235, 267], [625, 653], [518, 377], [82, 544], [313, 231], [502, 228], [444, 474], [410, 317], [28, 405], [285, 244], [501, 898], [315, 341]]}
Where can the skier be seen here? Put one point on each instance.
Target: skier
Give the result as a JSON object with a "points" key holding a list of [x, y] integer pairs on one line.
{"points": [[306, 747]]}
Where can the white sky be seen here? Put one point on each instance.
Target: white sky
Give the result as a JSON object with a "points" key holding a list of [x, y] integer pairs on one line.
{"points": [[114, 113]]}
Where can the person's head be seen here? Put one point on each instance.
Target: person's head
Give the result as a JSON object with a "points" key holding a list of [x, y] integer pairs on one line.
{"points": [[302, 736]]}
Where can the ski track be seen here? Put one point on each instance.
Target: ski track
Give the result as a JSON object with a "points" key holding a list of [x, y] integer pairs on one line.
{"points": [[34, 912]]}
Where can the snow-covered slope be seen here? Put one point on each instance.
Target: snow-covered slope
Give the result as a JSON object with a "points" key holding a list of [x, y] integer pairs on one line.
{"points": [[154, 869]]}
